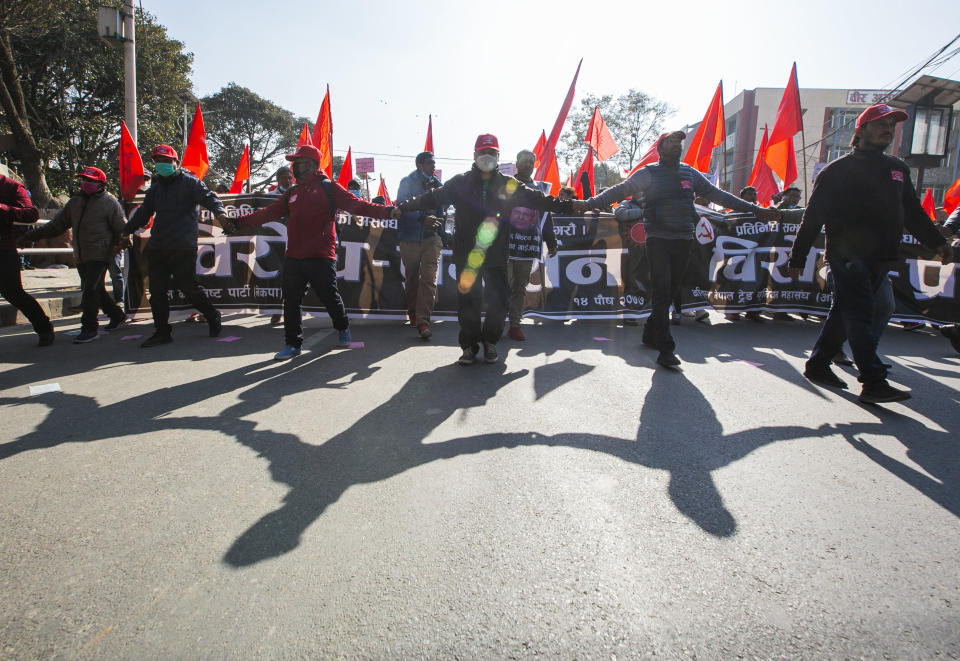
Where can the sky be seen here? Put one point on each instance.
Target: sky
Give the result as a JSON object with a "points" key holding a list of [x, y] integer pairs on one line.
{"points": [[504, 67]]}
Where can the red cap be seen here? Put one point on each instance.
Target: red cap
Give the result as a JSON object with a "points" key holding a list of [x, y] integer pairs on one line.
{"points": [[486, 141], [94, 174], [305, 151], [879, 111], [164, 150]]}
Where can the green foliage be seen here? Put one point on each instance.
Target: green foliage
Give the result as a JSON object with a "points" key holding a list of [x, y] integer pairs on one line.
{"points": [[73, 86], [635, 119]]}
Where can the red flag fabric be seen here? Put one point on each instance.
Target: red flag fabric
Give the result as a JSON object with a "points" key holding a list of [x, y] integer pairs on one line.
{"points": [[599, 137], [243, 171], [569, 183], [346, 172], [382, 191], [929, 205], [548, 149], [538, 149], [762, 176], [711, 133], [585, 168], [131, 165], [788, 123], [195, 158], [951, 200], [323, 135], [304, 136], [428, 145], [552, 175]]}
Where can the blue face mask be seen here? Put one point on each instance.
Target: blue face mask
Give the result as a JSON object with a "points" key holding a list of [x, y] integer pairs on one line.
{"points": [[164, 169]]}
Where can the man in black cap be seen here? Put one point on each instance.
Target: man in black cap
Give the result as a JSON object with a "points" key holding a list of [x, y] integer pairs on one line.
{"points": [[865, 199]]}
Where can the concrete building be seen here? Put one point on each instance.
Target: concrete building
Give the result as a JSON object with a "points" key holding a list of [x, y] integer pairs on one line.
{"points": [[828, 123]]}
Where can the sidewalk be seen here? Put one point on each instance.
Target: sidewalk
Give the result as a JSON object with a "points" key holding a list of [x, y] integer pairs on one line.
{"points": [[56, 290]]}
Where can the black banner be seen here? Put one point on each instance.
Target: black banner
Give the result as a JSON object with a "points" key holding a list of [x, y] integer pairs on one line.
{"points": [[734, 267]]}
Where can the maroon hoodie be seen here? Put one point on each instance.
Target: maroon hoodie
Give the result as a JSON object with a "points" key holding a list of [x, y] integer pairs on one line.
{"points": [[15, 207]]}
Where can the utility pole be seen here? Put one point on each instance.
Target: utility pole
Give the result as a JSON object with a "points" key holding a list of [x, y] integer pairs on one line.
{"points": [[115, 26]]}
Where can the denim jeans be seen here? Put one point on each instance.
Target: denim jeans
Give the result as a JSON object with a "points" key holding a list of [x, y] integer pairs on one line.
{"points": [[319, 273]]}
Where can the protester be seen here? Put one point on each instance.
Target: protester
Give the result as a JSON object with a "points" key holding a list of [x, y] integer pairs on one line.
{"points": [[790, 198], [310, 207], [566, 193], [668, 188], [15, 207], [528, 231], [173, 200], [96, 218], [748, 193], [418, 233], [284, 182], [483, 198], [865, 199]]}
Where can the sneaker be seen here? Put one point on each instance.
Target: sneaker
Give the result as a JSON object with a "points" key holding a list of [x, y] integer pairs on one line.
{"points": [[881, 393], [46, 339], [424, 331], [952, 333], [516, 334], [156, 339], [276, 319], [215, 325], [489, 352], [823, 376], [84, 337], [343, 337], [842, 359], [701, 315], [668, 359], [117, 323], [675, 318], [287, 352], [467, 357]]}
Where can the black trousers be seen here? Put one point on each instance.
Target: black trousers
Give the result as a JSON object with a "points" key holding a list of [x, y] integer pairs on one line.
{"points": [[175, 269], [11, 288], [319, 273], [667, 260], [95, 296], [489, 293]]}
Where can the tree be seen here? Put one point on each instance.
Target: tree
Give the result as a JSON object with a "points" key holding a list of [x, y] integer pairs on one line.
{"points": [[71, 84], [235, 115], [635, 119]]}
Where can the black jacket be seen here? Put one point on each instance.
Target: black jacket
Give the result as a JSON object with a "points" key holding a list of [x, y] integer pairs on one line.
{"points": [[475, 204], [865, 199], [175, 202]]}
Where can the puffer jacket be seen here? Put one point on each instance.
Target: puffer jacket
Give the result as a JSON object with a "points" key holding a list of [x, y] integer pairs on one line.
{"points": [[96, 220], [174, 202]]}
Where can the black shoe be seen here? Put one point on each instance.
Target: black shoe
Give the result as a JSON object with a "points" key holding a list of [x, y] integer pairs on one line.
{"points": [[842, 359], [668, 359], [881, 393], [489, 352], [952, 333], [117, 323], [46, 339], [215, 325], [156, 340], [824, 376]]}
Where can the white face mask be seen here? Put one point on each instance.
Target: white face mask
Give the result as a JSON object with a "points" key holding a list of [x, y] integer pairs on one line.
{"points": [[486, 162]]}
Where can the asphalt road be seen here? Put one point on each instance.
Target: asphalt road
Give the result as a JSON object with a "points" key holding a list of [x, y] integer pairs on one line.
{"points": [[199, 500]]}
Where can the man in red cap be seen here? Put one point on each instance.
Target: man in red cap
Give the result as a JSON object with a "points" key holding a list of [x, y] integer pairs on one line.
{"points": [[310, 207], [96, 218], [15, 207], [865, 199], [484, 199], [173, 200]]}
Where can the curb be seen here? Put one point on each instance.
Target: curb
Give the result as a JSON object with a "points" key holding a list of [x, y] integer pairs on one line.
{"points": [[55, 305]]}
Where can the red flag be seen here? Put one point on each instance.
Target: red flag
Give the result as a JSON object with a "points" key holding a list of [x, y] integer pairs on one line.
{"points": [[552, 176], [929, 205], [538, 149], [598, 137], [195, 157], [585, 168], [951, 200], [131, 165], [569, 183], [382, 192], [346, 171], [428, 145], [304, 136], [548, 149], [711, 133], [323, 135], [243, 171], [789, 122], [652, 156], [762, 176]]}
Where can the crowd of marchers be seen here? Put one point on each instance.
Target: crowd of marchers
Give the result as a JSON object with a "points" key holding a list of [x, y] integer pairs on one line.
{"points": [[863, 201]]}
